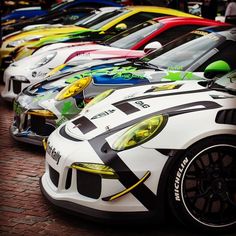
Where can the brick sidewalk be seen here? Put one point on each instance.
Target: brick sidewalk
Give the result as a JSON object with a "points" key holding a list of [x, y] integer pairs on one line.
{"points": [[23, 209]]}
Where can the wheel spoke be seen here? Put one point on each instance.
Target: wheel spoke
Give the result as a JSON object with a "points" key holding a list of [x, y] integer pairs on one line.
{"points": [[200, 195], [228, 200], [207, 204]]}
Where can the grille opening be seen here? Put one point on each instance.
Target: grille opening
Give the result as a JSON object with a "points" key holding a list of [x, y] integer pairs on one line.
{"points": [[88, 184], [40, 127], [54, 176], [68, 179], [16, 86]]}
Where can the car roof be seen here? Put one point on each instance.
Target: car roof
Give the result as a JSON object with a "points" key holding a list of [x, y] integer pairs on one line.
{"points": [[228, 31], [177, 19]]}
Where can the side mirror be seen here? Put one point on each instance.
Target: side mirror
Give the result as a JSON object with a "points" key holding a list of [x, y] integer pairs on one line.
{"points": [[217, 68], [152, 46], [121, 27]]}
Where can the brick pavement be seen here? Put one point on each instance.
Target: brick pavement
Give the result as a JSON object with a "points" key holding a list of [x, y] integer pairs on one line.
{"points": [[24, 211]]}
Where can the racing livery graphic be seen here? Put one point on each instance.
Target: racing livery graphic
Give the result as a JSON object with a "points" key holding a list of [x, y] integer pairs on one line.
{"points": [[133, 152]]}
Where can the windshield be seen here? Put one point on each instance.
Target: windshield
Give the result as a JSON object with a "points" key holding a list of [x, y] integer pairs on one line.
{"points": [[129, 38], [229, 80], [100, 18], [57, 6], [183, 52]]}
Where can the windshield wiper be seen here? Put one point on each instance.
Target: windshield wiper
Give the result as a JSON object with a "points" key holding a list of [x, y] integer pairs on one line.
{"points": [[146, 64], [220, 88]]}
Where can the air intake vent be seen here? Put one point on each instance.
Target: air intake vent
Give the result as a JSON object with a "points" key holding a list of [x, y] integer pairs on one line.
{"points": [[226, 117]]}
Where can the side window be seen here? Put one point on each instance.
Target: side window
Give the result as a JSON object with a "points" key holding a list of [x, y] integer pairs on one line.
{"points": [[172, 33], [136, 19], [225, 53]]}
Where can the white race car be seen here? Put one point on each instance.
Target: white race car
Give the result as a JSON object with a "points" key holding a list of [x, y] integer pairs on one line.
{"points": [[32, 69], [133, 152]]}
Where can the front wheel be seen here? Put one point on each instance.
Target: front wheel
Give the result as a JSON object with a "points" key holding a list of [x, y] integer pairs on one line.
{"points": [[202, 189]]}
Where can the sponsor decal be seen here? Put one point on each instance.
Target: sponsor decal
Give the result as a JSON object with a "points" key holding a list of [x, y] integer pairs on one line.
{"points": [[176, 67], [34, 73], [113, 72], [163, 88], [102, 114], [53, 153], [178, 178], [142, 104], [60, 121]]}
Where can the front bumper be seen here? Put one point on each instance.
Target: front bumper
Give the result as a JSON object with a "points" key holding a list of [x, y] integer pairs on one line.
{"points": [[94, 195], [31, 129], [98, 215], [26, 136], [15, 81]]}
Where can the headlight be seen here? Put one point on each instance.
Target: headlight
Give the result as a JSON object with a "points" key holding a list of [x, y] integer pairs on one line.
{"points": [[16, 43], [100, 97], [43, 61], [140, 133], [44, 113], [23, 40], [74, 88], [55, 70]]}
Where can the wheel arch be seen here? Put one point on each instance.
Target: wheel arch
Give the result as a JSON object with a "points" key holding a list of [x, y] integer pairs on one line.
{"points": [[166, 174]]}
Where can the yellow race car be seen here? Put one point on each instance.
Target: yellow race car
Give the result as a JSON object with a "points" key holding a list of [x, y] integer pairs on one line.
{"points": [[106, 19]]}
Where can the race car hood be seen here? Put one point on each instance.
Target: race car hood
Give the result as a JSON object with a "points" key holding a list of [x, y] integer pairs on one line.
{"points": [[43, 31], [122, 73], [56, 46], [76, 50], [103, 52], [126, 107]]}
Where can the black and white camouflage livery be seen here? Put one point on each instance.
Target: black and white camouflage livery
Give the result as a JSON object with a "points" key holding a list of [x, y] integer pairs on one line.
{"points": [[189, 165]]}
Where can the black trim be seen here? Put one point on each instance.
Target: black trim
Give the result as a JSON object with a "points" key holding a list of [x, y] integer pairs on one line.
{"points": [[84, 124], [172, 111], [126, 176], [63, 133], [160, 95], [127, 108]]}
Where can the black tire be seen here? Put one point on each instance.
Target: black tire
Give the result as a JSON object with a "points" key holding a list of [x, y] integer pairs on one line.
{"points": [[202, 186]]}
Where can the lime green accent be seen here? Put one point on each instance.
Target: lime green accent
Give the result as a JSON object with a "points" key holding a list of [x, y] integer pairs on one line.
{"points": [[122, 193], [173, 76], [71, 80], [66, 107], [220, 65], [188, 75], [95, 168]]}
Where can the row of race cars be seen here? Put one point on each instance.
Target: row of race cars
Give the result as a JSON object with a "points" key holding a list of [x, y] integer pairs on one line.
{"points": [[136, 111]]}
